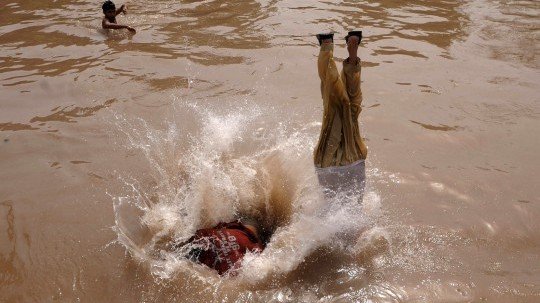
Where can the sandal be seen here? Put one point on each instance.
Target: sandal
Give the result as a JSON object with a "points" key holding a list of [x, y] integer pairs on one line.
{"points": [[325, 36], [354, 33]]}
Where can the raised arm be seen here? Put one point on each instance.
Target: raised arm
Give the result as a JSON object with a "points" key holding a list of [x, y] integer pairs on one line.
{"points": [[122, 9]]}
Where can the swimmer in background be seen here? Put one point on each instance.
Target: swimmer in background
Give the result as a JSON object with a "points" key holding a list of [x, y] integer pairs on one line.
{"points": [[110, 12], [340, 153]]}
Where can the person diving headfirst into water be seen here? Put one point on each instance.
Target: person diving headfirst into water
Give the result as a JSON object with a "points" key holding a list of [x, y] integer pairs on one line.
{"points": [[340, 153], [223, 246], [339, 161]]}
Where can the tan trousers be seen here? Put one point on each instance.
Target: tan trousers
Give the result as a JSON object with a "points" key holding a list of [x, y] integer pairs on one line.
{"points": [[340, 142]]}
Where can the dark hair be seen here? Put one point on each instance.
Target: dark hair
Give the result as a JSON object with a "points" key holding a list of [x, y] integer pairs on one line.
{"points": [[264, 231], [108, 5]]}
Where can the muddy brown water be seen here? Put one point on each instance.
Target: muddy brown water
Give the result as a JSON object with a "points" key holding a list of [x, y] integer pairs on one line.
{"points": [[225, 94]]}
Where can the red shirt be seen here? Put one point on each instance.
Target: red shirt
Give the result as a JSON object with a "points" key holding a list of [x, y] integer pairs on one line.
{"points": [[223, 247]]}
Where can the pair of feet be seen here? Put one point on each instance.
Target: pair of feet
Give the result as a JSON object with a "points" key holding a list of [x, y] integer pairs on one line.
{"points": [[353, 41]]}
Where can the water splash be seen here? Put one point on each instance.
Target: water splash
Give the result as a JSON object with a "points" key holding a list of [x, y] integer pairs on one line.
{"points": [[214, 175]]}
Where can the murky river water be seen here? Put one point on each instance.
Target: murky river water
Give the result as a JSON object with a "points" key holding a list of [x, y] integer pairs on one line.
{"points": [[110, 141]]}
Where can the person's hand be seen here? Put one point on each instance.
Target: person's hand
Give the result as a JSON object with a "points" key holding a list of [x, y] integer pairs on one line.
{"points": [[131, 29]]}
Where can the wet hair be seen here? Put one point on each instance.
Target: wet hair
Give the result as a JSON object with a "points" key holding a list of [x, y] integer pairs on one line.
{"points": [[263, 232], [108, 5], [251, 221]]}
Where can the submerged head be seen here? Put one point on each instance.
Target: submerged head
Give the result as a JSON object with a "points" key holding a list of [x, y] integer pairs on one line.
{"points": [[109, 9], [251, 224], [260, 229]]}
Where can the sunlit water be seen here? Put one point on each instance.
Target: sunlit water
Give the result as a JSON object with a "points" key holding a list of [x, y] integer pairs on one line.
{"points": [[113, 145]]}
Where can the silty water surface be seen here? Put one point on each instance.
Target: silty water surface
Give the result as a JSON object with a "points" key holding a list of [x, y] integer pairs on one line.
{"points": [[213, 108]]}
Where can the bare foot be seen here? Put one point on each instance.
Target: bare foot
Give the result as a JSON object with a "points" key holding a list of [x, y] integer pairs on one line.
{"points": [[325, 38], [352, 47]]}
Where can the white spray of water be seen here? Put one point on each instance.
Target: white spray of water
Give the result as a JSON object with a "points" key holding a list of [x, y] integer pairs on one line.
{"points": [[207, 178]]}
